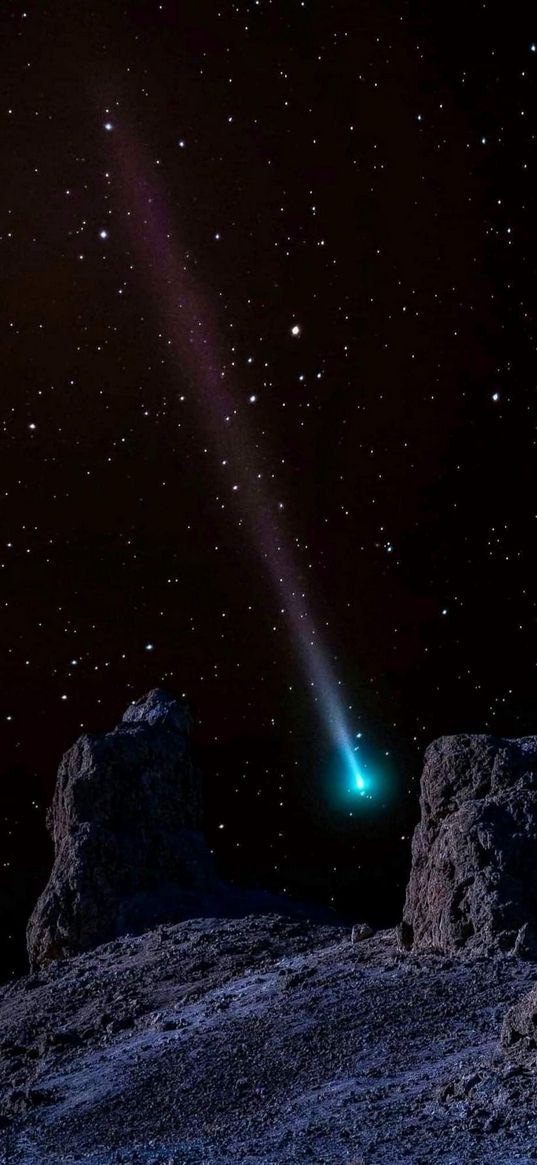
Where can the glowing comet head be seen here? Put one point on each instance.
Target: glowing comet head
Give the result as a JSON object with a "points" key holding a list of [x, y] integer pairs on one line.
{"points": [[358, 782]]}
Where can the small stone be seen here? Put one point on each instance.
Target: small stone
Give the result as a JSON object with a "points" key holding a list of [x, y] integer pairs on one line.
{"points": [[361, 931], [519, 1029]]}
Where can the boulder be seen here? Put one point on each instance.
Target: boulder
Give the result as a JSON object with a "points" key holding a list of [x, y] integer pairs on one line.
{"points": [[125, 821], [519, 1030], [473, 879]]}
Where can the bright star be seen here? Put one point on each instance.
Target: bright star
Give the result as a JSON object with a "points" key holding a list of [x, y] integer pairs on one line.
{"points": [[295, 330], [103, 234], [108, 125]]}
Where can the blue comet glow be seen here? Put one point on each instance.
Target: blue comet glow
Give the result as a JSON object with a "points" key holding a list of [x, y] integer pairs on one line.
{"points": [[185, 320], [358, 779]]}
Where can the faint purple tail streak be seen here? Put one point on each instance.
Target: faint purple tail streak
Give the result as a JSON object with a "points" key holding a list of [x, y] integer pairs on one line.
{"points": [[195, 348]]}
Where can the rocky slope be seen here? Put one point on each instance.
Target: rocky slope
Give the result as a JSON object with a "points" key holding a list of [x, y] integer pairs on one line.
{"points": [[262, 1041]]}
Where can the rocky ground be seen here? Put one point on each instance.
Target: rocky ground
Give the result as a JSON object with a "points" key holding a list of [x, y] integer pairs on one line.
{"points": [[263, 1041]]}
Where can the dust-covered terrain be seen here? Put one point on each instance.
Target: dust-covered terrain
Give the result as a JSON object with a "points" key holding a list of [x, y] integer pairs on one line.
{"points": [[263, 1041]]}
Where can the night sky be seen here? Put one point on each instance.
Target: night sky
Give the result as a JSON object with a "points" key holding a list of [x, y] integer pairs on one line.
{"points": [[348, 191]]}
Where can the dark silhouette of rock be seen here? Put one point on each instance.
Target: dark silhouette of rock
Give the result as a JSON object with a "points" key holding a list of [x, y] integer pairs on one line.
{"points": [[125, 821], [473, 881]]}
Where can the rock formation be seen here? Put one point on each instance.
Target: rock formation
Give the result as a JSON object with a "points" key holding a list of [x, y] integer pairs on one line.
{"points": [[125, 821], [473, 881]]}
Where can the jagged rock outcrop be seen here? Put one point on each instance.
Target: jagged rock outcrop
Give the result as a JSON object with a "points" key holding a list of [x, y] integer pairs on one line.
{"points": [[125, 820], [473, 881]]}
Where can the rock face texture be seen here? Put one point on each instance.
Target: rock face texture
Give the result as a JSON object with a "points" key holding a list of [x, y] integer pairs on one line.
{"points": [[125, 821], [473, 881]]}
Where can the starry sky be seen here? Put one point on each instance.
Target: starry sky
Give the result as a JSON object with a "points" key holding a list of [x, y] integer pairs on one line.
{"points": [[351, 189]]}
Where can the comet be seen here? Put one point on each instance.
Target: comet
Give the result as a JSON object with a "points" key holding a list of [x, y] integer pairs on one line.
{"points": [[184, 314]]}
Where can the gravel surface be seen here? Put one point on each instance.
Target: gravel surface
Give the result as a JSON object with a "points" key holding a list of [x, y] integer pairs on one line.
{"points": [[262, 1041]]}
